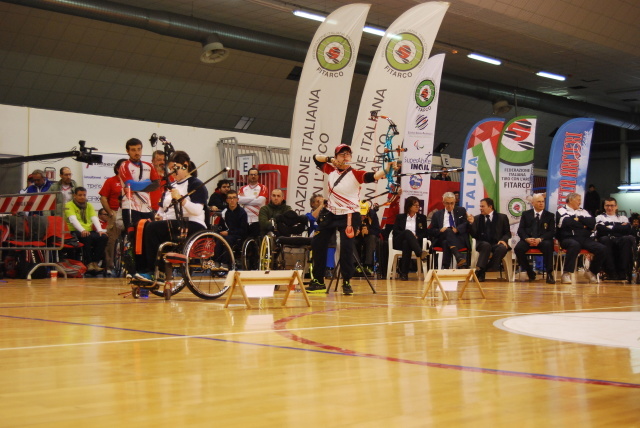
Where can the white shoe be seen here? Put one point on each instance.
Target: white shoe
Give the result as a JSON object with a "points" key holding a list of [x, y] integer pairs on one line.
{"points": [[566, 278], [591, 277]]}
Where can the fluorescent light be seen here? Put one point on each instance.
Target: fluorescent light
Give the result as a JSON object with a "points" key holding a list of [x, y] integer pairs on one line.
{"points": [[483, 58], [308, 15], [551, 75], [629, 187], [375, 31]]}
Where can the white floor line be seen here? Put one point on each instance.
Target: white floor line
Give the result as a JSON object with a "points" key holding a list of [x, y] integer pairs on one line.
{"points": [[298, 329]]}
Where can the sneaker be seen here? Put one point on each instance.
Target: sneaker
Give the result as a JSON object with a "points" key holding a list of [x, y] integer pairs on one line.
{"points": [[328, 273], [358, 269], [566, 278], [143, 277], [346, 288], [316, 287], [147, 277], [368, 270], [424, 255], [591, 277]]}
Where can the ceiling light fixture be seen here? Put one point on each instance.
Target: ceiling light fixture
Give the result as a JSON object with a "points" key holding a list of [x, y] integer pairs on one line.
{"points": [[309, 15], [283, 7], [551, 75], [484, 58], [374, 31], [629, 187]]}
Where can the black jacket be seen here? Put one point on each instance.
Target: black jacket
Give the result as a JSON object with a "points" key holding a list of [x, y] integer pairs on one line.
{"points": [[401, 224], [459, 218], [546, 229], [501, 229]]}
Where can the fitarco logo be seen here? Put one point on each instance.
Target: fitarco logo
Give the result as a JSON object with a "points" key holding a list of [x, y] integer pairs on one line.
{"points": [[425, 93], [404, 51], [334, 52]]}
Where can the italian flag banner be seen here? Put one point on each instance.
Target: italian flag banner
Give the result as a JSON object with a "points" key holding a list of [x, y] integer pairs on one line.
{"points": [[321, 101], [479, 163], [401, 54], [568, 161], [515, 170]]}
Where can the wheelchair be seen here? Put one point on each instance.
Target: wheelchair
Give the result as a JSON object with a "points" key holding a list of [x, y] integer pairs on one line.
{"points": [[285, 234], [187, 263]]}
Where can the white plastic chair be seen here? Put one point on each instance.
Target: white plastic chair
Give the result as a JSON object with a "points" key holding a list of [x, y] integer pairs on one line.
{"points": [[394, 259]]}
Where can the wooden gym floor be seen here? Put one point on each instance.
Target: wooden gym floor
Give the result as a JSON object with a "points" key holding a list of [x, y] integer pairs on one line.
{"points": [[75, 354]]}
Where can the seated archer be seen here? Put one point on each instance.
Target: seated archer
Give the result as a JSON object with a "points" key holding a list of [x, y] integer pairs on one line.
{"points": [[181, 213]]}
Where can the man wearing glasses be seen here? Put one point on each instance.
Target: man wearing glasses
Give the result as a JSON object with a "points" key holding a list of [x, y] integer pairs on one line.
{"points": [[614, 232], [342, 213], [252, 197], [450, 229]]}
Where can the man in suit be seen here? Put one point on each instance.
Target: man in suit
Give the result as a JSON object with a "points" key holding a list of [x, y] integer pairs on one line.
{"points": [[536, 231], [492, 233], [450, 226], [574, 228], [614, 232]]}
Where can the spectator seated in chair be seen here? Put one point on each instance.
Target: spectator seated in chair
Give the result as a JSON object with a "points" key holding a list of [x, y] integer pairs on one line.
{"points": [[82, 218]]}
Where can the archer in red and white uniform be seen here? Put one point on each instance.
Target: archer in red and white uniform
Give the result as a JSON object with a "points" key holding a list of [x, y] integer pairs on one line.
{"points": [[252, 197], [341, 213], [138, 178]]}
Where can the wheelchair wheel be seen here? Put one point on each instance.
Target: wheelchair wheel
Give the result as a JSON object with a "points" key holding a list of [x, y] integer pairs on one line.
{"points": [[117, 256], [205, 277], [250, 254], [266, 253]]}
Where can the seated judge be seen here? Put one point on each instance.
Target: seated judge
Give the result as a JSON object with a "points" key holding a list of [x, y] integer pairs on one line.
{"points": [[536, 231], [449, 226], [409, 230], [492, 233]]}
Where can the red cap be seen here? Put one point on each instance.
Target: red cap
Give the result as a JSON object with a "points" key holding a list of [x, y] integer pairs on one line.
{"points": [[342, 148]]}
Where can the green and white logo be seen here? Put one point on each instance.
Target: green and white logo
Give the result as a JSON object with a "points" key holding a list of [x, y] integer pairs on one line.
{"points": [[425, 93], [516, 207], [404, 51], [334, 52]]}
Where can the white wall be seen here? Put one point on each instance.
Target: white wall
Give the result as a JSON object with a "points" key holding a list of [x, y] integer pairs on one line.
{"points": [[28, 131]]}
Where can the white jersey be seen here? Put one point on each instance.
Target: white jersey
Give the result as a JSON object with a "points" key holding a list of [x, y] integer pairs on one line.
{"points": [[252, 198]]}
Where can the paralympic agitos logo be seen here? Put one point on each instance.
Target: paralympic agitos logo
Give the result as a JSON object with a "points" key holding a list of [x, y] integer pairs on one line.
{"points": [[333, 53]]}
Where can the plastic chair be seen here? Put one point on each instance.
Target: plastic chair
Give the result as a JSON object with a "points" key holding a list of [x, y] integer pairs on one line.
{"points": [[394, 258]]}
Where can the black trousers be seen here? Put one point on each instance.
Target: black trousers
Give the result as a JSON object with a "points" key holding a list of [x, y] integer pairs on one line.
{"points": [[366, 247], [408, 243], [157, 232], [485, 251], [619, 256], [574, 244], [546, 246], [93, 248], [449, 239], [320, 243]]}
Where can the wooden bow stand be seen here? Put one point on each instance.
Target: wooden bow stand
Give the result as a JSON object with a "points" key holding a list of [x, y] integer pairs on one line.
{"points": [[268, 279], [434, 276]]}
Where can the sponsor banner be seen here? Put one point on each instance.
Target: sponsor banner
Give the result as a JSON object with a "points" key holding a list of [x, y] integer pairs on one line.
{"points": [[568, 161], [515, 170], [419, 131], [321, 101], [479, 163], [94, 176], [401, 54]]}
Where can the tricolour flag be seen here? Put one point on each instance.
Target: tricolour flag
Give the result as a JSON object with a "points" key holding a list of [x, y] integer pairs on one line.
{"points": [[402, 52], [568, 161], [321, 101], [479, 164]]}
